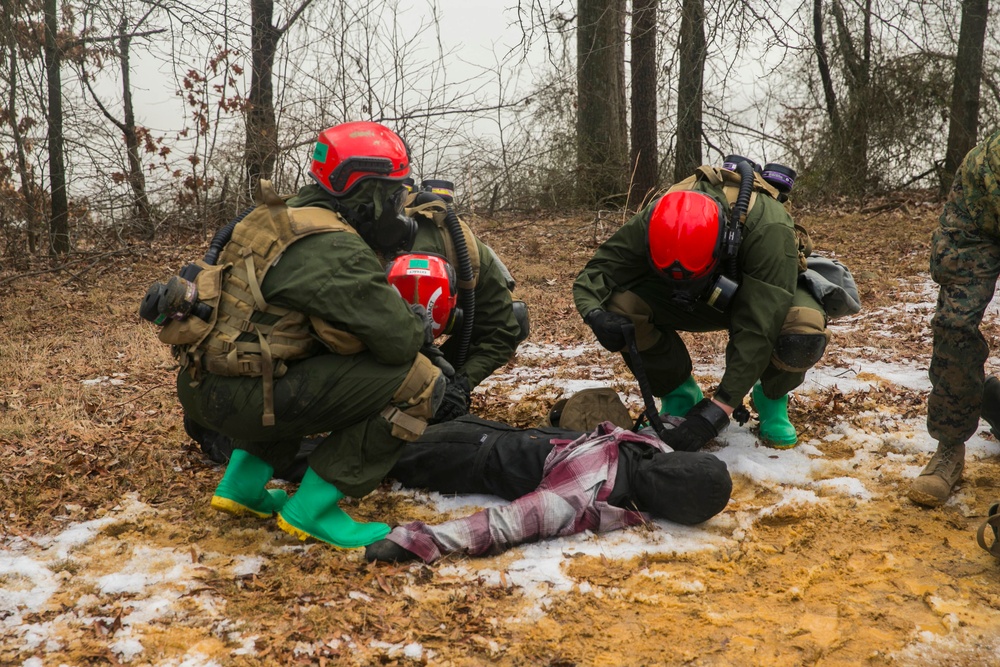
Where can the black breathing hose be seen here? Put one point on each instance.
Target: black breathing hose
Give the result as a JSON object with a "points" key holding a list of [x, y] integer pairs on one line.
{"points": [[639, 371], [739, 210], [466, 295], [222, 237]]}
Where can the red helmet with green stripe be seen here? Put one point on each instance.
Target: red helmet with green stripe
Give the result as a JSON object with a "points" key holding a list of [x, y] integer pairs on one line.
{"points": [[429, 280], [348, 153]]}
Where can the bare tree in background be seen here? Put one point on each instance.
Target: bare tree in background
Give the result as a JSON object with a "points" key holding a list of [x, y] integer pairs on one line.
{"points": [[141, 222], [262, 130], [885, 71], [28, 211], [602, 136], [691, 49], [59, 215], [823, 65], [964, 117], [644, 150], [136, 179]]}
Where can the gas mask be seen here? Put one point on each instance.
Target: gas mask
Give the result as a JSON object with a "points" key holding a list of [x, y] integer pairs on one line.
{"points": [[375, 209]]}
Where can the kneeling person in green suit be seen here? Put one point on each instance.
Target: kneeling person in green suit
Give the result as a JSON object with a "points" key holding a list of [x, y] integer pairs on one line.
{"points": [[306, 336], [718, 252]]}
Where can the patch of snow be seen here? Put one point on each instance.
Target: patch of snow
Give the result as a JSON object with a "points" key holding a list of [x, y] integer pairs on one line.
{"points": [[248, 565]]}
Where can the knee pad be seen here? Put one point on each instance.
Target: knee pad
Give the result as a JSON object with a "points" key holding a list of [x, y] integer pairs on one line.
{"points": [[802, 340]]}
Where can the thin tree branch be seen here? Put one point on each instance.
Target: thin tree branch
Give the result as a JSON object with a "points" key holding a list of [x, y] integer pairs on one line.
{"points": [[111, 38], [294, 17]]}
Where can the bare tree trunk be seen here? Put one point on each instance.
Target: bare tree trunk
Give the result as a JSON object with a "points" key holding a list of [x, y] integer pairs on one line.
{"points": [[823, 63], [59, 218], [29, 210], [645, 154], [144, 222], [690, 82], [602, 134], [963, 125], [851, 145], [261, 148], [261, 139]]}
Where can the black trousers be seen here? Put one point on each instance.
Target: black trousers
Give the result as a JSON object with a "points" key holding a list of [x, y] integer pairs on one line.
{"points": [[473, 455]]}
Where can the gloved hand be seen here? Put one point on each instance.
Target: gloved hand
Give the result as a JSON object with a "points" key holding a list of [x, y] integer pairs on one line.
{"points": [[456, 400], [608, 328], [434, 353], [425, 317], [705, 421]]}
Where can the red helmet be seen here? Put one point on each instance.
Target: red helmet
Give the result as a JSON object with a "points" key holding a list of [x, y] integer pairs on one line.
{"points": [[351, 152], [429, 280], [684, 239]]}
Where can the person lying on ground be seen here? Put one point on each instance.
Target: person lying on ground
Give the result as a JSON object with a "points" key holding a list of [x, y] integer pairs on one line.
{"points": [[560, 482]]}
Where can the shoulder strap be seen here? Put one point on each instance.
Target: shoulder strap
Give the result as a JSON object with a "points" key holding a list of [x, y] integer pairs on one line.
{"points": [[435, 211], [729, 181]]}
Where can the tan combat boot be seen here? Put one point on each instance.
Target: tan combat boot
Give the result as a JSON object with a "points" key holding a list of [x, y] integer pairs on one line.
{"points": [[936, 481]]}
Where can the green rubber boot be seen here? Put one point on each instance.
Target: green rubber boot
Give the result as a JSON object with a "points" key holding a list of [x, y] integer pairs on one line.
{"points": [[775, 428], [680, 401], [313, 513], [242, 491]]}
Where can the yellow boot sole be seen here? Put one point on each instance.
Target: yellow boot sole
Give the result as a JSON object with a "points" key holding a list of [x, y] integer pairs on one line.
{"points": [[297, 533], [302, 535], [778, 445], [236, 509]]}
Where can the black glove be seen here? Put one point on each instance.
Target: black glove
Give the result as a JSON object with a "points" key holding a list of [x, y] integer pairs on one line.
{"points": [[422, 313], [705, 421], [608, 328], [434, 353], [456, 400]]}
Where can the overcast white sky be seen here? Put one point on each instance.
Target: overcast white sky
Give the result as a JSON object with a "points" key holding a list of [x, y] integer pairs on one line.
{"points": [[476, 35]]}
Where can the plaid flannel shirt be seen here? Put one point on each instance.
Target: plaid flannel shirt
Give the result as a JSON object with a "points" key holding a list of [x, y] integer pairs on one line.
{"points": [[577, 480]]}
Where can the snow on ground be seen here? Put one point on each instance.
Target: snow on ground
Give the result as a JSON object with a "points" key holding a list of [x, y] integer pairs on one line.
{"points": [[34, 570]]}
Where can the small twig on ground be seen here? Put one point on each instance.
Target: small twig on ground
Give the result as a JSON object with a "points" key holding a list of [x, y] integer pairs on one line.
{"points": [[157, 386]]}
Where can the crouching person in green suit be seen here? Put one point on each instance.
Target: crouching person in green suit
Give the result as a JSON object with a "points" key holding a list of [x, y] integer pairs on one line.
{"points": [[306, 336]]}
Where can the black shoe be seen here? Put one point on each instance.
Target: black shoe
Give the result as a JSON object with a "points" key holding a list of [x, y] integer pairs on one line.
{"points": [[389, 552], [991, 404]]}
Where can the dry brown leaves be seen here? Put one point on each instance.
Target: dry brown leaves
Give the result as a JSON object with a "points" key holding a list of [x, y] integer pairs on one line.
{"points": [[88, 414]]}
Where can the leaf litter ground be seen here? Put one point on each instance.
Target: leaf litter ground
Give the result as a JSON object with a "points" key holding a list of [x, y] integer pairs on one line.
{"points": [[111, 554]]}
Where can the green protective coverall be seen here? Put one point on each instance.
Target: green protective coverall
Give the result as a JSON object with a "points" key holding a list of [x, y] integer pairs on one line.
{"points": [[335, 276], [768, 261], [494, 331]]}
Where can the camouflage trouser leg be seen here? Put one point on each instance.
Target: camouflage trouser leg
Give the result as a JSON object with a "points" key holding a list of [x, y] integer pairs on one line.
{"points": [[965, 264]]}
